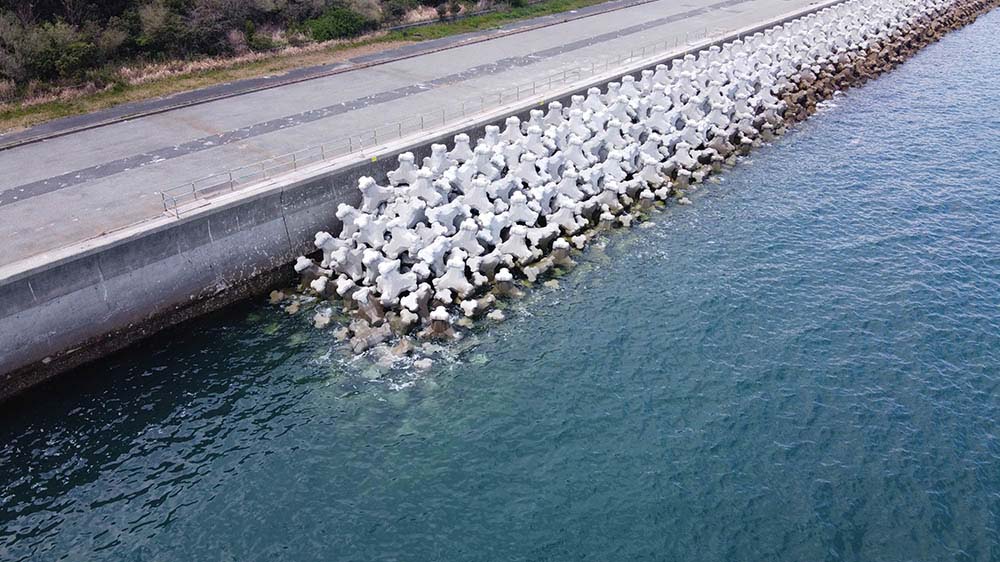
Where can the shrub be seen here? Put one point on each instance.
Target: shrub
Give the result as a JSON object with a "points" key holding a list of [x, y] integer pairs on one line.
{"points": [[339, 23], [13, 65], [396, 9], [518, 3], [55, 50], [209, 23], [236, 42], [103, 77], [442, 10], [111, 40], [261, 42], [296, 38], [8, 91], [370, 9], [257, 41], [72, 59], [161, 29], [295, 12]]}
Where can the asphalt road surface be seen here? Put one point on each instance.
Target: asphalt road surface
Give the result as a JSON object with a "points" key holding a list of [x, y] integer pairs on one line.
{"points": [[73, 187]]}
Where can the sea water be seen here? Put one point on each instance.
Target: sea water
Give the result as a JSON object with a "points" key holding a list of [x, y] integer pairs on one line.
{"points": [[802, 365]]}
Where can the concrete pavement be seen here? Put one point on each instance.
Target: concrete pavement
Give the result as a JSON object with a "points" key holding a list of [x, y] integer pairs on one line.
{"points": [[132, 110], [75, 187]]}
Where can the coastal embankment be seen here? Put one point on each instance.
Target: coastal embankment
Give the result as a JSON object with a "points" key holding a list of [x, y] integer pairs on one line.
{"points": [[68, 307], [439, 244]]}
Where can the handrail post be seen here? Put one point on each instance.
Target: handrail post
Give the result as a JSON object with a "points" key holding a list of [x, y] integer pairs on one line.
{"points": [[232, 184]]}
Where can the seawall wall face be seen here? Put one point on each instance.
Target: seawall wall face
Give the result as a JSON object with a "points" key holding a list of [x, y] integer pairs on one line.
{"points": [[64, 314], [60, 314]]}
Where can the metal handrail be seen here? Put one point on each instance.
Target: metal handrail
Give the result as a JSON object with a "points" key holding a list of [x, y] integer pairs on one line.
{"points": [[237, 178]]}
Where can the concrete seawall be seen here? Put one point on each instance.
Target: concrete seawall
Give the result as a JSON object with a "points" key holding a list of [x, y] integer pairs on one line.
{"points": [[59, 311]]}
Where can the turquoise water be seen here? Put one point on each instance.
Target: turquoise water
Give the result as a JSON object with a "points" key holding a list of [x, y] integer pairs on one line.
{"points": [[803, 365]]}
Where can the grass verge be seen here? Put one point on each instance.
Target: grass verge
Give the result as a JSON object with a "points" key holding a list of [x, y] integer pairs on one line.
{"points": [[14, 117]]}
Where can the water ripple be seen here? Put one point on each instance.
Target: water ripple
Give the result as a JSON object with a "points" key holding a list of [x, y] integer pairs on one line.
{"points": [[801, 366]]}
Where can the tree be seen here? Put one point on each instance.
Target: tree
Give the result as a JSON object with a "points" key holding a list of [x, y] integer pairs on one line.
{"points": [[75, 11], [25, 11], [161, 29]]}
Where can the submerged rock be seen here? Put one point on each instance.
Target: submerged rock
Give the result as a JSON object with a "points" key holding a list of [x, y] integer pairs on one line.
{"points": [[322, 319], [403, 348]]}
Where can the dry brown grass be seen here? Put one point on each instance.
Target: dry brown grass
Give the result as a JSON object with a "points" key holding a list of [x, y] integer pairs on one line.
{"points": [[421, 13], [163, 79], [329, 51], [41, 97]]}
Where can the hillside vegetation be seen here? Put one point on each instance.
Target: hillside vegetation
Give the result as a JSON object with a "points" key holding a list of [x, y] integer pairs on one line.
{"points": [[47, 45]]}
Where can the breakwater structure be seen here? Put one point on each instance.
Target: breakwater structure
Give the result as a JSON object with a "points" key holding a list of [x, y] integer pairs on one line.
{"points": [[74, 306], [445, 238]]}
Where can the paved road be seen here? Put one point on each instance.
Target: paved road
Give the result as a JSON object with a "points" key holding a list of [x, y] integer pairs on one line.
{"points": [[74, 187], [210, 93]]}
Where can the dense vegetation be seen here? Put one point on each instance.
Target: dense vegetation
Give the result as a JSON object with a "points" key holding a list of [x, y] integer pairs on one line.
{"points": [[45, 42]]}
